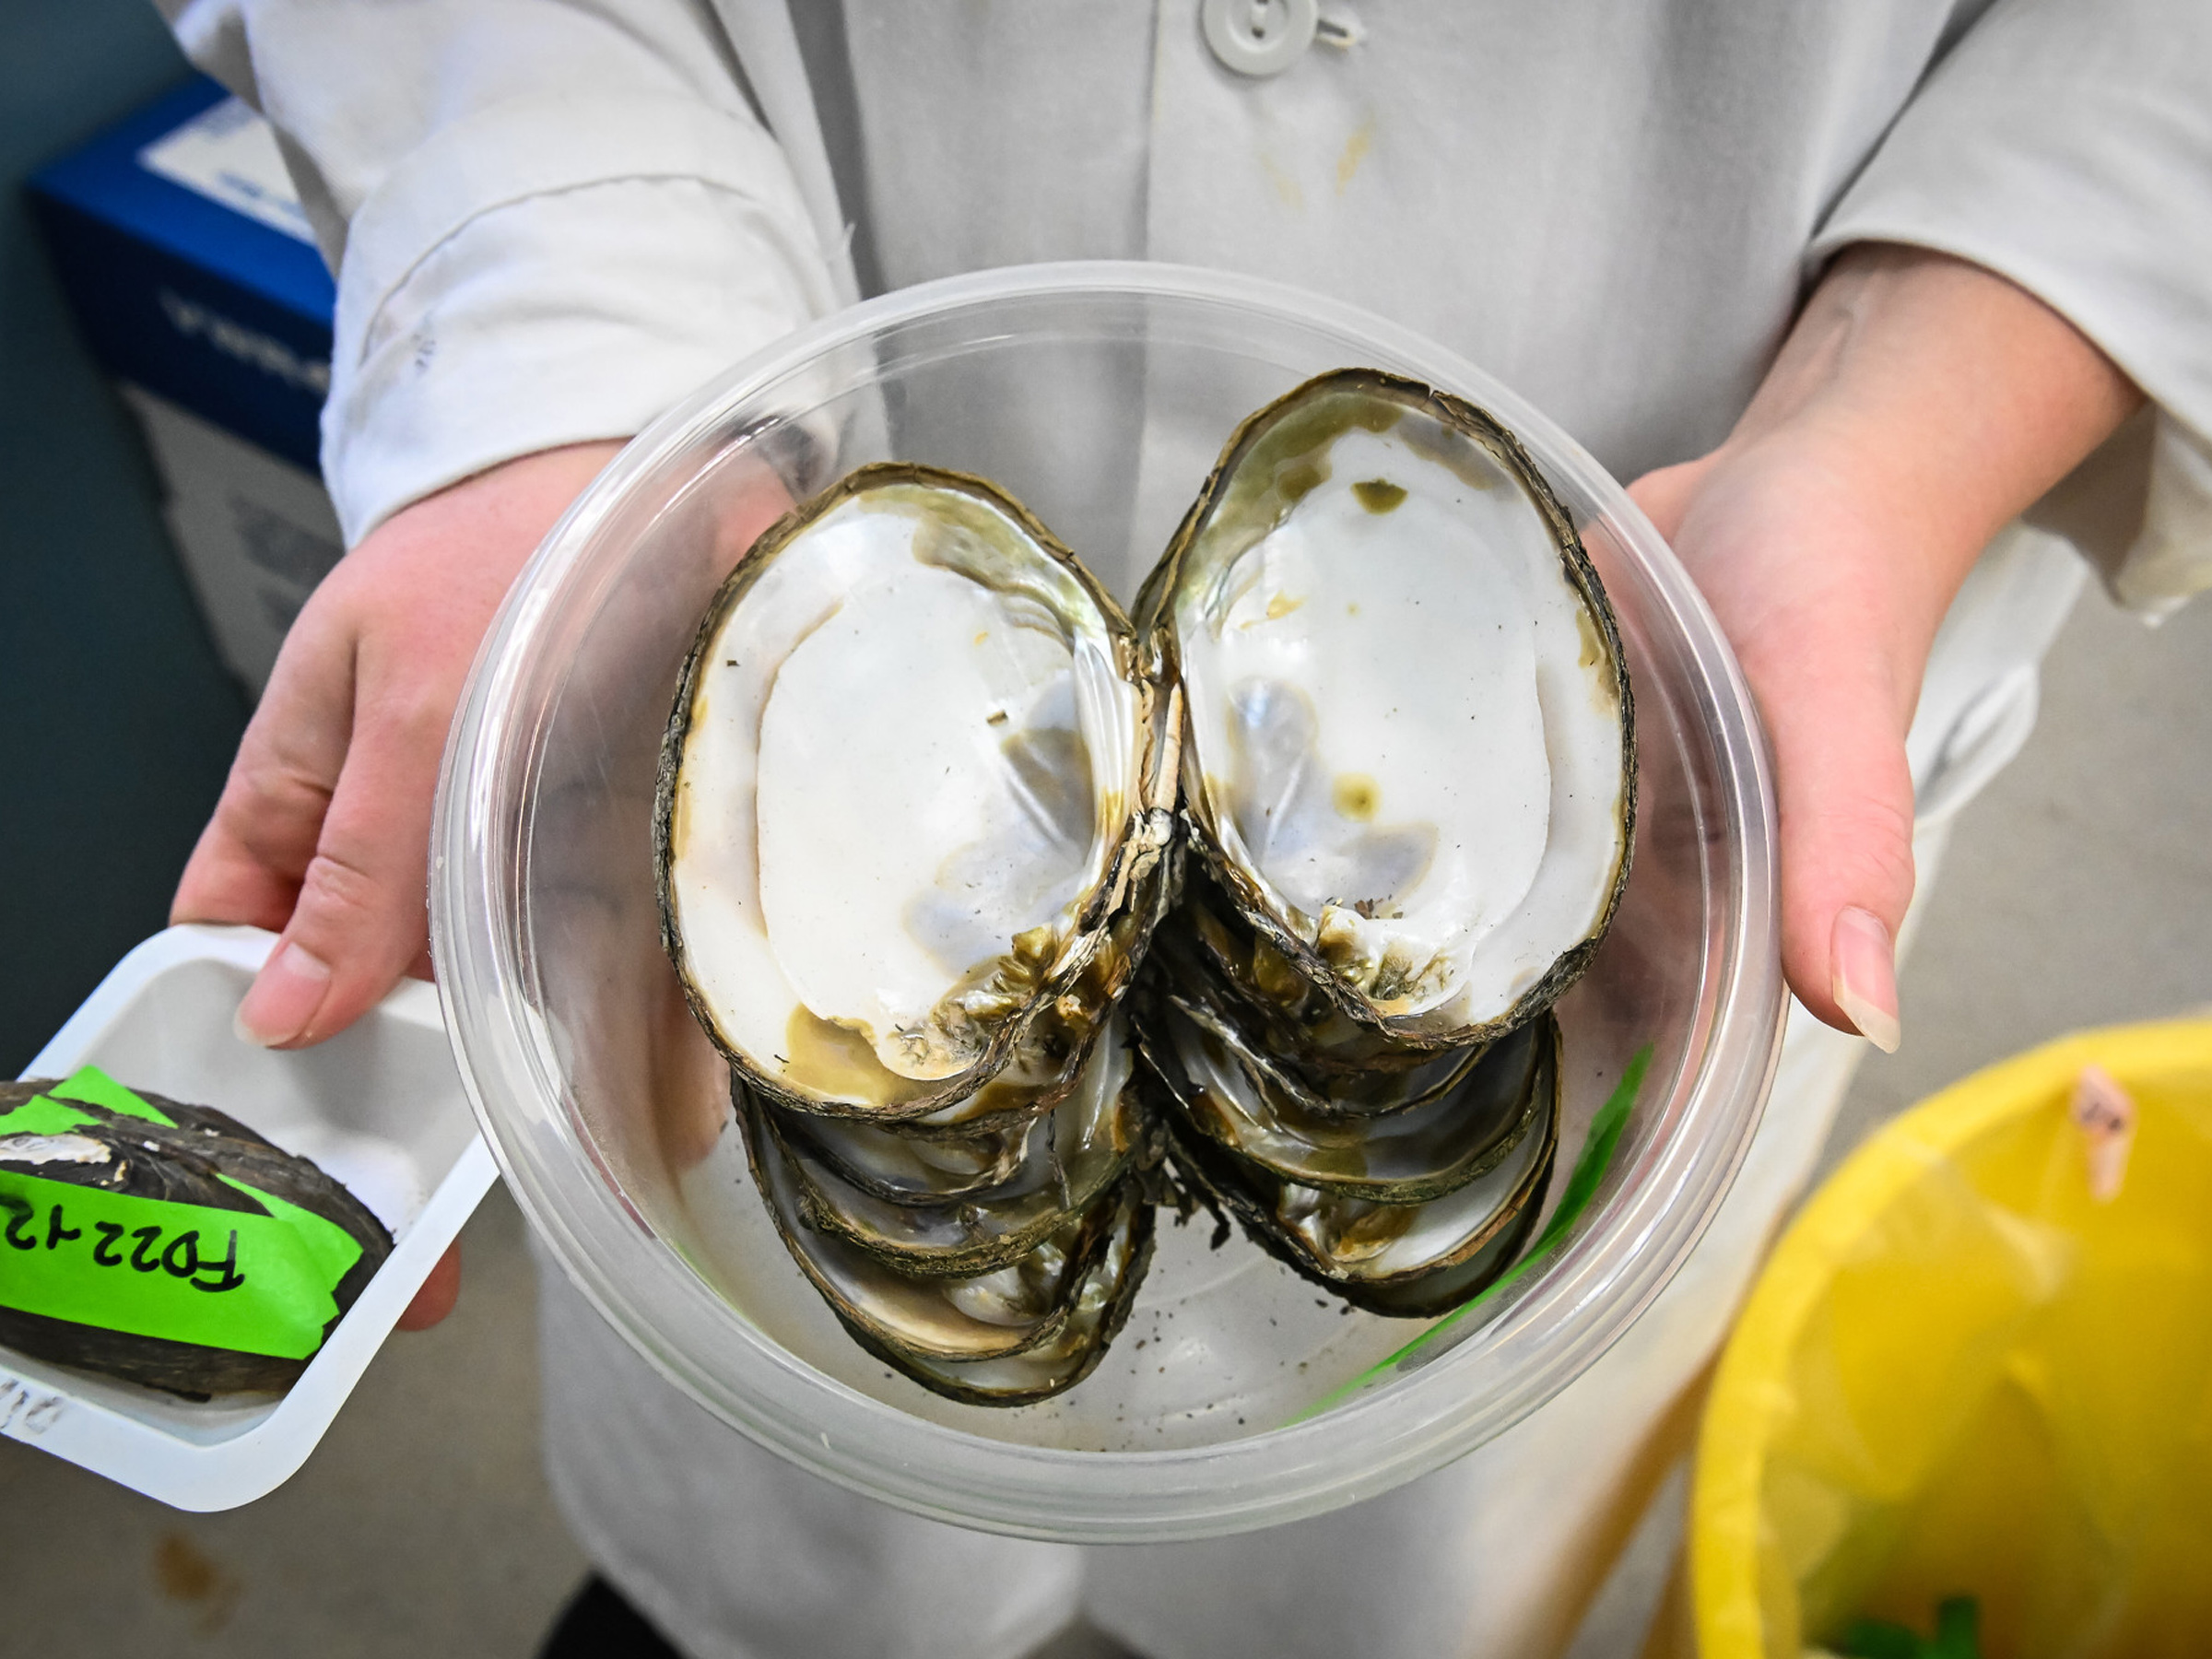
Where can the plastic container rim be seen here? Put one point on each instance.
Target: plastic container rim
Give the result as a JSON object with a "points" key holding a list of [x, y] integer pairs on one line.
{"points": [[1600, 1282]]}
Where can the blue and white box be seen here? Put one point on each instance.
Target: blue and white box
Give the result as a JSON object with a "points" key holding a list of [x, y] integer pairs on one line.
{"points": [[197, 285]]}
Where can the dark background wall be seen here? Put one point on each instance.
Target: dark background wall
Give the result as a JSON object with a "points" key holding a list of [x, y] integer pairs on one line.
{"points": [[116, 722]]}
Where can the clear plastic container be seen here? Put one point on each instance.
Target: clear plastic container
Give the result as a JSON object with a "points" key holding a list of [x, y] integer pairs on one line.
{"points": [[1099, 394]]}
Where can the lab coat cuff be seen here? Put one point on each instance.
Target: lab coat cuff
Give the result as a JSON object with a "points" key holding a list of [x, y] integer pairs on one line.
{"points": [[2085, 182], [552, 271]]}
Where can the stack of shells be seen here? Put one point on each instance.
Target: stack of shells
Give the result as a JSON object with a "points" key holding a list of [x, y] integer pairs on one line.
{"points": [[991, 1265], [1397, 1175], [1384, 1125], [983, 1227]]}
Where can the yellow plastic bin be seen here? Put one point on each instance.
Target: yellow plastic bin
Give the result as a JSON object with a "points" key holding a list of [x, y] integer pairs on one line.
{"points": [[1965, 1373]]}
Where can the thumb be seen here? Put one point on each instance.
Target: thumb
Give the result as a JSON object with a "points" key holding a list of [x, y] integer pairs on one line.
{"points": [[1845, 798], [1813, 622]]}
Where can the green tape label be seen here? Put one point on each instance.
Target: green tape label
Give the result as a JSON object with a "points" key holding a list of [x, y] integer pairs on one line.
{"points": [[42, 1114], [148, 1267], [90, 1083]]}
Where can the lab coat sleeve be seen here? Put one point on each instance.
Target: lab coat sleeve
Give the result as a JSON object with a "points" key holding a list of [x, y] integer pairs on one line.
{"points": [[548, 222], [2067, 145]]}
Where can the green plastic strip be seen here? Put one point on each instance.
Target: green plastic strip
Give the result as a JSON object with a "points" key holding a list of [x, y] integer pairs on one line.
{"points": [[90, 1083], [253, 1284], [1582, 1186]]}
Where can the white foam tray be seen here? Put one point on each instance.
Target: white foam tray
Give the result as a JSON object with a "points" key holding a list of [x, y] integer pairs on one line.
{"points": [[380, 1107]]}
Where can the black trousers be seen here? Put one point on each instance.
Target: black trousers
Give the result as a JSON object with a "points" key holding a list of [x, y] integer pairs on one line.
{"points": [[599, 1624]]}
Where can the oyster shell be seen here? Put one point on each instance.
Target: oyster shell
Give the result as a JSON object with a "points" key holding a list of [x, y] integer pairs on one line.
{"points": [[1419, 1152], [1208, 959], [199, 1156], [1073, 1157], [1055, 1307], [900, 1167], [1330, 1094], [1095, 1316], [1409, 755], [1402, 1259], [913, 807]]}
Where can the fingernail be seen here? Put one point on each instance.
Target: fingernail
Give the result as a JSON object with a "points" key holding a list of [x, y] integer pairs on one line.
{"points": [[284, 997], [1864, 977]]}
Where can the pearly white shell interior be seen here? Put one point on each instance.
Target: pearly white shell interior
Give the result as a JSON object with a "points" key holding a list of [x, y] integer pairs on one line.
{"points": [[909, 744], [1403, 722]]}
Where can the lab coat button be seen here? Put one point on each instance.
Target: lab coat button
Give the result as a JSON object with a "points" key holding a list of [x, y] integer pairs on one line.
{"points": [[1259, 38]]}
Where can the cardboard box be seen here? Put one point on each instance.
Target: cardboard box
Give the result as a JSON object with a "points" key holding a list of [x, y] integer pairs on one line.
{"points": [[196, 284]]}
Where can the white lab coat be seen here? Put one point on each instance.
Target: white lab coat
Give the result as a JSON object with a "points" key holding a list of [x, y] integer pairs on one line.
{"points": [[549, 222]]}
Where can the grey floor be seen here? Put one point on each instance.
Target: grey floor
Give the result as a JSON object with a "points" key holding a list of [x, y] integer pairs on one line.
{"points": [[2078, 892]]}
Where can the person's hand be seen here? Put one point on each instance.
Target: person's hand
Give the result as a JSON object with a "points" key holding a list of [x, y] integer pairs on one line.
{"points": [[323, 831], [1919, 404]]}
